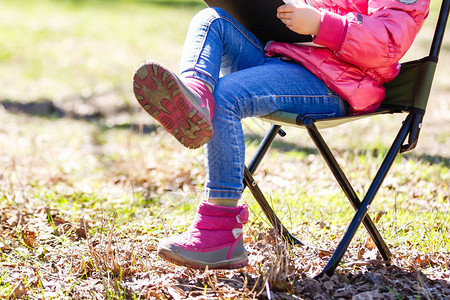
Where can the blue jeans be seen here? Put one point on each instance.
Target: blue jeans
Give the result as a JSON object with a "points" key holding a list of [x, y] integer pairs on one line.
{"points": [[246, 83]]}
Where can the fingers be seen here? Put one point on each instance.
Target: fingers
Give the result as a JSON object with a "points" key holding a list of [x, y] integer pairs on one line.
{"points": [[285, 8], [284, 12], [285, 19], [284, 16]]}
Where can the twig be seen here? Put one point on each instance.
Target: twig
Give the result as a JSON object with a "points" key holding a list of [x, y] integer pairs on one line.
{"points": [[269, 294], [423, 285], [256, 283], [365, 263], [108, 247]]}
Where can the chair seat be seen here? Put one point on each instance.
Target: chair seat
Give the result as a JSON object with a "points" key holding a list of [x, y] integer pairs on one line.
{"points": [[407, 92], [290, 119]]}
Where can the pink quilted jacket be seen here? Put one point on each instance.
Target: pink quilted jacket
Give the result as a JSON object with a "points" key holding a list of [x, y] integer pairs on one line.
{"points": [[362, 40]]}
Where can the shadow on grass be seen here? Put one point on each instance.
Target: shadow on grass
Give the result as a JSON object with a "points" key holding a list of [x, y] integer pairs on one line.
{"points": [[432, 159], [283, 146], [41, 108], [45, 108]]}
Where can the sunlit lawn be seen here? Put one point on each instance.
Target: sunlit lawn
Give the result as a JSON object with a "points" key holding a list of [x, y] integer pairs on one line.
{"points": [[121, 173]]}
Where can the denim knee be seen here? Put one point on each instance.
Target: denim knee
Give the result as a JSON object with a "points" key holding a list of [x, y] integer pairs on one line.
{"points": [[225, 101], [209, 14]]}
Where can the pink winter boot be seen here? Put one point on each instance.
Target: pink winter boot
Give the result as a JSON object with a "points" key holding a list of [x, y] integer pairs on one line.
{"points": [[214, 240], [184, 109]]}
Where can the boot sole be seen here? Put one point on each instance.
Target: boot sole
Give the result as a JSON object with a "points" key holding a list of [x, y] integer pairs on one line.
{"points": [[166, 99], [172, 257]]}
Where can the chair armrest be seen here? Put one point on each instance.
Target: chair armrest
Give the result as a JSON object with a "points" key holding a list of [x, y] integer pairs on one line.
{"points": [[414, 130]]}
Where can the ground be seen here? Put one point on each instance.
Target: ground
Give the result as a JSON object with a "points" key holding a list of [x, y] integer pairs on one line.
{"points": [[90, 183]]}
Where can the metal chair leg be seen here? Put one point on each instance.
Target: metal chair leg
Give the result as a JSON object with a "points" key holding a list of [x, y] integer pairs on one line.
{"points": [[368, 198], [346, 186], [250, 182], [267, 209], [360, 207]]}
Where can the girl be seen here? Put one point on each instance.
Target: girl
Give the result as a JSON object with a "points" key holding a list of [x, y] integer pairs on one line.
{"points": [[360, 43]]}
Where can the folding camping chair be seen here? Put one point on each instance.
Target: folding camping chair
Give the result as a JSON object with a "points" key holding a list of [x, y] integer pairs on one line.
{"points": [[409, 94]]}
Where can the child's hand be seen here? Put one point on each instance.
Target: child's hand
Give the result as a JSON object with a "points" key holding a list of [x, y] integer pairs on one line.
{"points": [[300, 18]]}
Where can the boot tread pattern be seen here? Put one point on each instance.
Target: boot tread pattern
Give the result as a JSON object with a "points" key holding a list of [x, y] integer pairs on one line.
{"points": [[161, 96]]}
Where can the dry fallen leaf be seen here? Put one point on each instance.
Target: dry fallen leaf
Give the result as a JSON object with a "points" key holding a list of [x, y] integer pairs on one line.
{"points": [[29, 238], [82, 229]]}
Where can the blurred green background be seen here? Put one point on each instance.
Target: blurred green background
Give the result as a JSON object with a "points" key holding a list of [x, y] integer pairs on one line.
{"points": [[52, 48]]}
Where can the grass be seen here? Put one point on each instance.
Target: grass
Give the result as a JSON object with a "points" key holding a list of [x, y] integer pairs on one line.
{"points": [[89, 183], [63, 50]]}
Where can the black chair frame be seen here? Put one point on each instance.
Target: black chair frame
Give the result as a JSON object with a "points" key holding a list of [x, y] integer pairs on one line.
{"points": [[410, 129]]}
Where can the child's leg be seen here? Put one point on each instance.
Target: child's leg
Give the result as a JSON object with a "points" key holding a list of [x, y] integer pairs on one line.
{"points": [[216, 43], [185, 107], [257, 91], [277, 85]]}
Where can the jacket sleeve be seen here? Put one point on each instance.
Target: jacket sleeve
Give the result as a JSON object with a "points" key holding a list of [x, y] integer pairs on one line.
{"points": [[377, 39]]}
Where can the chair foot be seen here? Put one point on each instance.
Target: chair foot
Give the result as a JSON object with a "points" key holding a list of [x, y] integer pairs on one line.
{"points": [[292, 240]]}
